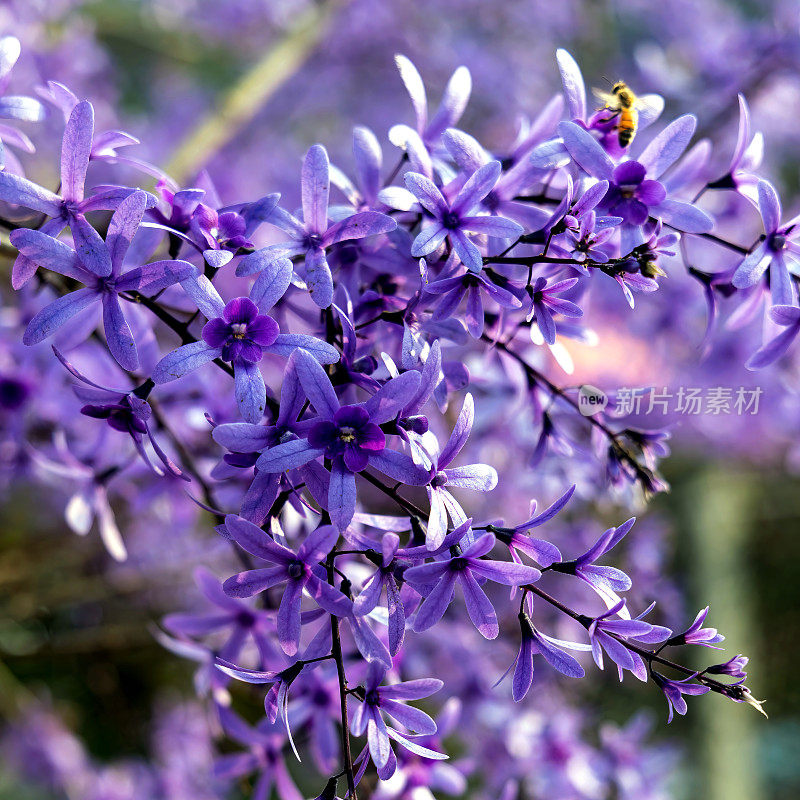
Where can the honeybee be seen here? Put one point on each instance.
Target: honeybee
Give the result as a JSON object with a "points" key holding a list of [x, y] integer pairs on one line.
{"points": [[626, 105]]}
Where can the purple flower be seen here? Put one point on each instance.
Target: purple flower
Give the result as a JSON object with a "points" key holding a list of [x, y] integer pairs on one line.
{"points": [[371, 592], [472, 285], [454, 100], [70, 207], [734, 667], [746, 158], [240, 620], [246, 441], [102, 285], [545, 301], [777, 247], [437, 581], [221, 234], [605, 581], [14, 106], [634, 191], [125, 412], [478, 477], [532, 643], [391, 700], [453, 220], [630, 195], [312, 236], [350, 435], [420, 143], [241, 331], [297, 570], [367, 194], [104, 144], [604, 635], [276, 700], [674, 691], [631, 280], [470, 157], [697, 634], [265, 744], [591, 240], [518, 538], [787, 316]]}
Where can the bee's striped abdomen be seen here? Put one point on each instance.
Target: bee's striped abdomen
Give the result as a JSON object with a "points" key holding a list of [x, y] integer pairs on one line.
{"points": [[626, 127]]}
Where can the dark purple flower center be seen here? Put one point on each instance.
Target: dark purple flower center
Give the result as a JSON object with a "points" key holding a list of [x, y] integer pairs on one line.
{"points": [[459, 564], [69, 209], [349, 435], [242, 332], [491, 201], [373, 698], [245, 619], [107, 285], [321, 698], [451, 220], [13, 393], [631, 195], [296, 569], [313, 240], [440, 479], [776, 242]]}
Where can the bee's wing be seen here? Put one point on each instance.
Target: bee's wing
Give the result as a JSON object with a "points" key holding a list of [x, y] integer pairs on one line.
{"points": [[649, 107], [606, 98]]}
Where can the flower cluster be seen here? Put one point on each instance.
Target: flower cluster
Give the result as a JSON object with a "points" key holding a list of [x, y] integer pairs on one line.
{"points": [[325, 366]]}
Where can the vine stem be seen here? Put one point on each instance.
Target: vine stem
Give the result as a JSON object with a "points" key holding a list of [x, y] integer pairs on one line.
{"points": [[336, 651]]}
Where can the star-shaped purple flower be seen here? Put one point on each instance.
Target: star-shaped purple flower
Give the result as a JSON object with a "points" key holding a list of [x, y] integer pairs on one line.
{"points": [[697, 634], [313, 235], [241, 332], [69, 208], [472, 285], [438, 579], [297, 570], [377, 700], [453, 220], [371, 591], [349, 435], [604, 633], [478, 477], [103, 278], [545, 301], [123, 411], [534, 642], [778, 248], [605, 581], [674, 691], [635, 192]]}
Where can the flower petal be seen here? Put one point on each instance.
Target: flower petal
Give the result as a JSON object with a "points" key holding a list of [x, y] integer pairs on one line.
{"points": [[76, 148], [315, 182], [185, 359]]}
